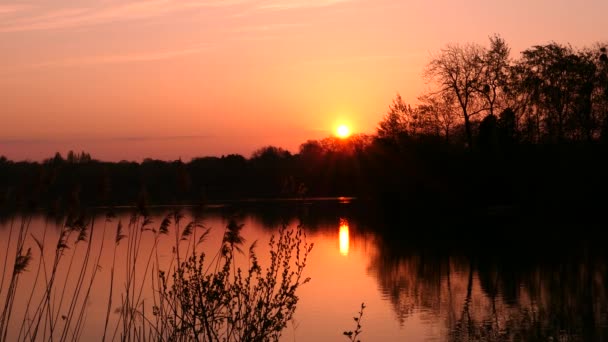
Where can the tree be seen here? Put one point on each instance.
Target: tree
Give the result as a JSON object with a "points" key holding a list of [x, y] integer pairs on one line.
{"points": [[458, 71], [270, 154], [507, 127], [495, 69], [74, 158], [560, 85], [437, 114], [71, 158], [396, 120], [84, 157], [488, 134], [584, 124], [600, 90], [57, 159], [311, 153]]}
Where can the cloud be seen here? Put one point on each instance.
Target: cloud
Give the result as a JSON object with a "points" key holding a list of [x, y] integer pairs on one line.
{"points": [[20, 18], [157, 138], [287, 5], [268, 28], [7, 9], [37, 141], [135, 57], [299, 4], [61, 18], [148, 56]]}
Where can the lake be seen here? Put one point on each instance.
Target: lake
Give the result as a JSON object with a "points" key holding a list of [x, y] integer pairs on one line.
{"points": [[435, 286]]}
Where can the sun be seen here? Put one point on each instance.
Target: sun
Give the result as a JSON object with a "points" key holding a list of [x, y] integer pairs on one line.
{"points": [[343, 131]]}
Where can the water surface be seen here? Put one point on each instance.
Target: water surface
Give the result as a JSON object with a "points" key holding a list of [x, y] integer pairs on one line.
{"points": [[431, 288]]}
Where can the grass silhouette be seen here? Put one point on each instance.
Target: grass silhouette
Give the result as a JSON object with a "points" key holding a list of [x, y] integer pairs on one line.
{"points": [[195, 297]]}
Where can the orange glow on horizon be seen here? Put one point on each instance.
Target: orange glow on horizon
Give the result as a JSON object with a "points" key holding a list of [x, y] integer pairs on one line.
{"points": [[166, 87], [343, 237]]}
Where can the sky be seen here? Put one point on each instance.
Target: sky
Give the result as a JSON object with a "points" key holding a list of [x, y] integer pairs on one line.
{"points": [[169, 79]]}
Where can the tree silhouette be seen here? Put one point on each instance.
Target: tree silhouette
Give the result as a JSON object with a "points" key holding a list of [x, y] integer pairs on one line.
{"points": [[494, 77], [560, 84], [396, 121], [458, 71], [438, 114]]}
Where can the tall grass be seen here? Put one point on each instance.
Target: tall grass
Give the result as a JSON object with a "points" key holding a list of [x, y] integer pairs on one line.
{"points": [[20, 262], [192, 297], [53, 310]]}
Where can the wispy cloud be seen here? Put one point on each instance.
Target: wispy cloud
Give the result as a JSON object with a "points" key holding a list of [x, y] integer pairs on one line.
{"points": [[299, 4], [287, 5], [134, 57], [6, 9], [32, 141], [147, 56], [160, 138], [61, 18], [19, 18], [268, 27]]}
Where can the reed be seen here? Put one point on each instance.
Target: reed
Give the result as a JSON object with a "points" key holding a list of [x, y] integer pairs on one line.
{"points": [[353, 334], [189, 297]]}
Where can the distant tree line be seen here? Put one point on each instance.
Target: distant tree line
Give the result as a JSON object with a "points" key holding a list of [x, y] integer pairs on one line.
{"points": [[494, 131]]}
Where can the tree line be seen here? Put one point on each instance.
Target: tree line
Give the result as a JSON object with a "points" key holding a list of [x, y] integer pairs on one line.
{"points": [[529, 132], [552, 93]]}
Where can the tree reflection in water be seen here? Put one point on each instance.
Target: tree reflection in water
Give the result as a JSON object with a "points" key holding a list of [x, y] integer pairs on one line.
{"points": [[526, 284], [517, 292]]}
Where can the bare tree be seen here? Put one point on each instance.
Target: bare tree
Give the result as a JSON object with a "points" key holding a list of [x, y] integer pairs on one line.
{"points": [[458, 70], [495, 73], [438, 114]]}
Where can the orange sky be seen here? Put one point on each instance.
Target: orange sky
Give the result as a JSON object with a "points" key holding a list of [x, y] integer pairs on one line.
{"points": [[128, 79]]}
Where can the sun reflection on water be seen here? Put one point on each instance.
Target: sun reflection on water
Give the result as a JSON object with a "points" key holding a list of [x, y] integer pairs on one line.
{"points": [[343, 237]]}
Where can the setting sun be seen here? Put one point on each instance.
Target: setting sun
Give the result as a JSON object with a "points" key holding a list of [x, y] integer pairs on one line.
{"points": [[342, 131]]}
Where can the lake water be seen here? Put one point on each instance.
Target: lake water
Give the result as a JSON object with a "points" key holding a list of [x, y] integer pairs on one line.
{"points": [[430, 288]]}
